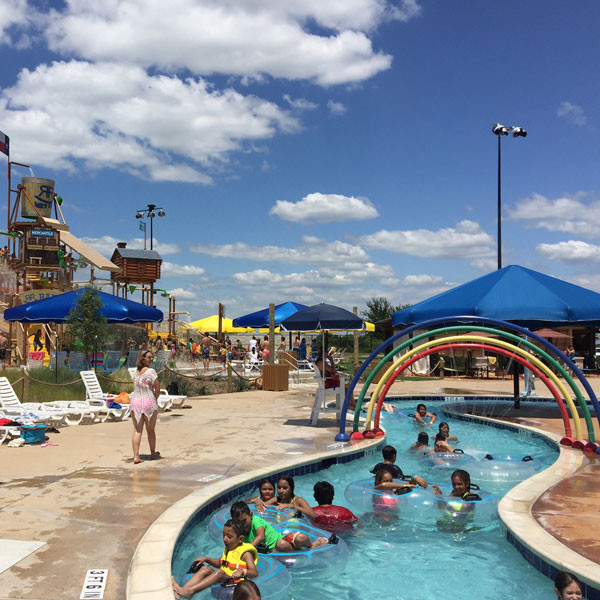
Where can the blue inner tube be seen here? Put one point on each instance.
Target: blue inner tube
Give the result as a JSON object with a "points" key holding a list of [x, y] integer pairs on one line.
{"points": [[509, 468], [271, 516], [363, 495], [273, 582], [325, 561], [447, 460]]}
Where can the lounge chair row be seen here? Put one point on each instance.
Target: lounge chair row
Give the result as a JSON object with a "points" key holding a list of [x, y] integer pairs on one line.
{"points": [[95, 408]]}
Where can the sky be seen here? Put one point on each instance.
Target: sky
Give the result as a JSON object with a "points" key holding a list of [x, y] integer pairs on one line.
{"points": [[313, 151]]}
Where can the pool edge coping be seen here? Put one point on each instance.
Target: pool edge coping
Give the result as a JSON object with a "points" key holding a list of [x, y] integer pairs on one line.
{"points": [[515, 510], [149, 573]]}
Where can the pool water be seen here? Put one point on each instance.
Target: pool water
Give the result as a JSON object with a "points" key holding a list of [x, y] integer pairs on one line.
{"points": [[405, 559]]}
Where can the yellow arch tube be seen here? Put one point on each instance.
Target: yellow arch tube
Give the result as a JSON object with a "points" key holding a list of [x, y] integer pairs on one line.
{"points": [[474, 338]]}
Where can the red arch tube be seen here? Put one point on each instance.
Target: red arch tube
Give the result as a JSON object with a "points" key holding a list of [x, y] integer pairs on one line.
{"points": [[493, 350]]}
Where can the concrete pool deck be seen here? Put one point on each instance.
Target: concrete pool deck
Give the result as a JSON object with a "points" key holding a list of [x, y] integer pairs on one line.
{"points": [[91, 506]]}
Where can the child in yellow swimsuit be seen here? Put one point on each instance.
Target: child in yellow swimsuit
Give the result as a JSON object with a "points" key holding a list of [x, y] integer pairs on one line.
{"points": [[238, 560]]}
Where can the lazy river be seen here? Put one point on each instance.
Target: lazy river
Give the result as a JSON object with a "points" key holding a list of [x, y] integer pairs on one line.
{"points": [[409, 556]]}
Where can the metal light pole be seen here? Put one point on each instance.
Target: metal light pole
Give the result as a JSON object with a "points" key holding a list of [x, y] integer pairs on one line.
{"points": [[150, 213], [499, 130]]}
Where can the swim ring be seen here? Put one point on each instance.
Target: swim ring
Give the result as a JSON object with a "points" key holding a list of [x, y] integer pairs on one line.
{"points": [[447, 460], [452, 514], [273, 581], [325, 561], [363, 495], [504, 468], [271, 516]]}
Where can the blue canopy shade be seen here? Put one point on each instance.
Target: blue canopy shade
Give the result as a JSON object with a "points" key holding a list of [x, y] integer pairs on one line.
{"points": [[323, 317], [516, 294], [57, 309], [260, 318]]}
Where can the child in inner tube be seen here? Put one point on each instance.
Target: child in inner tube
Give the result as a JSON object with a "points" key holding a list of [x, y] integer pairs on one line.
{"points": [[444, 428], [385, 481], [389, 459], [441, 444], [422, 414], [458, 515], [266, 491], [287, 499], [264, 537], [237, 561]]}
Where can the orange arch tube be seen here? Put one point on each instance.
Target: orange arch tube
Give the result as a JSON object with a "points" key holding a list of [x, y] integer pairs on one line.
{"points": [[494, 350]]}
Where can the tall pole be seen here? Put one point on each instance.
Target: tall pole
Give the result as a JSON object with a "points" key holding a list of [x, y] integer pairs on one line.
{"points": [[499, 206], [151, 233]]}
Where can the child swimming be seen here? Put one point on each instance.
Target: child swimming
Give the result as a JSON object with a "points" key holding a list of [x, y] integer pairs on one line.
{"points": [[238, 560], [421, 444], [422, 414], [263, 535], [266, 491], [567, 586]]}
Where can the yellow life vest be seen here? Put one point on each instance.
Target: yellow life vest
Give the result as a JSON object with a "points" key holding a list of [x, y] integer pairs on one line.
{"points": [[232, 560]]}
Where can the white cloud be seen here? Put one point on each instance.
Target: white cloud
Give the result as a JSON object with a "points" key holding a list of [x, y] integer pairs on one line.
{"points": [[300, 103], [246, 38], [13, 13], [181, 293], [313, 251], [325, 208], [118, 116], [106, 245], [172, 270], [336, 108], [572, 112], [567, 214], [467, 240], [573, 251]]}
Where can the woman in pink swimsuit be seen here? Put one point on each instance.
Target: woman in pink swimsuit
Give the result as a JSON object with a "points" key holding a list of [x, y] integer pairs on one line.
{"points": [[144, 407]]}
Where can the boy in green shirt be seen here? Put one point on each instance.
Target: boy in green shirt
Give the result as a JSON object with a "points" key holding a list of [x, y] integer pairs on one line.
{"points": [[265, 538]]}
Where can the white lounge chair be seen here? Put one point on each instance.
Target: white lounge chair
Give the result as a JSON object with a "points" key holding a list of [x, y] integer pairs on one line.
{"points": [[93, 391], [8, 432], [29, 411], [320, 404], [165, 398]]}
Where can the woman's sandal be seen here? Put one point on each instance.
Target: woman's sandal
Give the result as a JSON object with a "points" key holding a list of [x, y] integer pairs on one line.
{"points": [[155, 456]]}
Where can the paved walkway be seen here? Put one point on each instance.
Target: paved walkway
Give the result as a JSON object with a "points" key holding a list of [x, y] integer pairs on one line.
{"points": [[90, 505]]}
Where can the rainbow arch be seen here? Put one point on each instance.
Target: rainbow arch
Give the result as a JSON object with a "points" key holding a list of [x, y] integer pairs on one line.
{"points": [[539, 360]]}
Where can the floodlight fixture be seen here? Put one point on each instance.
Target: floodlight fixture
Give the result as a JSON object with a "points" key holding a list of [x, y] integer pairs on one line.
{"points": [[499, 129], [519, 132]]}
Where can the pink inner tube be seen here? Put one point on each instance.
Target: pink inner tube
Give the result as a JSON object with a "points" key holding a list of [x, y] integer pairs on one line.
{"points": [[490, 348]]}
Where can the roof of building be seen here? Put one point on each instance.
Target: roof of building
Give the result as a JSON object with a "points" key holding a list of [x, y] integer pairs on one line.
{"points": [[143, 254]]}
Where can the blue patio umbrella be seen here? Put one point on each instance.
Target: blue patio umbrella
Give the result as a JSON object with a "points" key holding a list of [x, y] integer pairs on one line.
{"points": [[323, 317], [260, 318], [57, 309], [516, 294]]}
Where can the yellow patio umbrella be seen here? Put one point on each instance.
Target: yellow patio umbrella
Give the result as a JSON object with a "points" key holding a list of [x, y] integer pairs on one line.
{"points": [[211, 324]]}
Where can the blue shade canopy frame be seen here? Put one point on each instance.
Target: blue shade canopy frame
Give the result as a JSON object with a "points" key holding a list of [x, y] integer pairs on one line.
{"points": [[522, 296], [260, 318], [58, 308]]}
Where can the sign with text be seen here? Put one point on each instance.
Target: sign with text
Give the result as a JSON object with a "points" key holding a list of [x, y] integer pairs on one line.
{"points": [[33, 295], [94, 584], [42, 233]]}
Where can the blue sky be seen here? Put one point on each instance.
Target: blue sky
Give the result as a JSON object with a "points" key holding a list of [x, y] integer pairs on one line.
{"points": [[313, 151]]}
